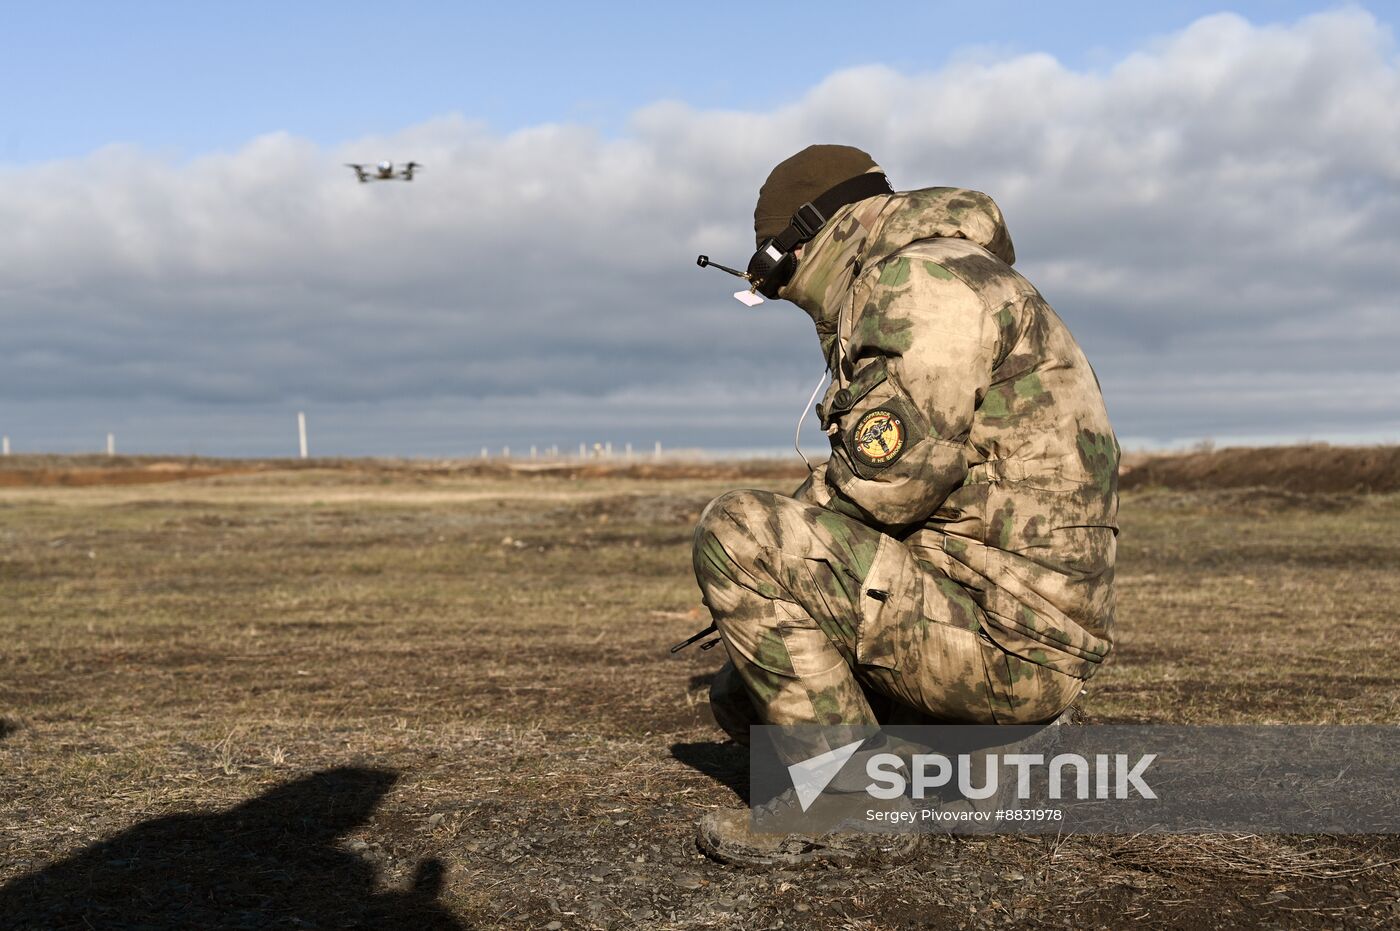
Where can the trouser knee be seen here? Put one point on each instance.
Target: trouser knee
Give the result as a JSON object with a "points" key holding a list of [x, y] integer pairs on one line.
{"points": [[726, 543]]}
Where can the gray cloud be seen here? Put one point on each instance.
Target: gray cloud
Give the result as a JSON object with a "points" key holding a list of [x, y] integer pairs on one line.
{"points": [[1217, 216]]}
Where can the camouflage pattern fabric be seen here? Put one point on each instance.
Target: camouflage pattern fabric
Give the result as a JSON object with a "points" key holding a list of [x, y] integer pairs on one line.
{"points": [[954, 557], [829, 621]]}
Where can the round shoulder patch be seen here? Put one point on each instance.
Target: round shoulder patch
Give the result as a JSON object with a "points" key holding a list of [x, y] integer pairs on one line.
{"points": [[878, 437]]}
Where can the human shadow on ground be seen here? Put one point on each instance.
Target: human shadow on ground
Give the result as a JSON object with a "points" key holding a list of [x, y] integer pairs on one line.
{"points": [[271, 861], [725, 762]]}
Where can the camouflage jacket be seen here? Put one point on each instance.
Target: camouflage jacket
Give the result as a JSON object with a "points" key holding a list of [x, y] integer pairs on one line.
{"points": [[964, 419]]}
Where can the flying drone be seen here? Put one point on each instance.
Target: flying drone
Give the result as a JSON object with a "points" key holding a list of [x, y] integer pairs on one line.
{"points": [[384, 171]]}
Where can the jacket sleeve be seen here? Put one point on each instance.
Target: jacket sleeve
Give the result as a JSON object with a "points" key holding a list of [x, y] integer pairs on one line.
{"points": [[921, 354]]}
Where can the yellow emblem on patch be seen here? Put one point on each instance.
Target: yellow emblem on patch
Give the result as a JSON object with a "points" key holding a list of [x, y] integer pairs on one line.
{"points": [[878, 438]]}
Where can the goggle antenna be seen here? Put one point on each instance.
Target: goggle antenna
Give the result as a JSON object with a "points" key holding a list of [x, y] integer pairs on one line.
{"points": [[704, 262]]}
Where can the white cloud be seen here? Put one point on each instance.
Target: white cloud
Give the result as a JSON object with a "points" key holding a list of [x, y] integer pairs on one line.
{"points": [[1217, 216]]}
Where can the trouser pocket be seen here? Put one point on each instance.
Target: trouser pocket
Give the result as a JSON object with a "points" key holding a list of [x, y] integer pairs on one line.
{"points": [[889, 605], [919, 640]]}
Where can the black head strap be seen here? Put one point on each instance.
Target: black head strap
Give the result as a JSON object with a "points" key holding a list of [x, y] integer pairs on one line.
{"points": [[808, 219]]}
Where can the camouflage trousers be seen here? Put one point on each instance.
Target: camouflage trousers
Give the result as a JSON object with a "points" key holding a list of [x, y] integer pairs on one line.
{"points": [[828, 621]]}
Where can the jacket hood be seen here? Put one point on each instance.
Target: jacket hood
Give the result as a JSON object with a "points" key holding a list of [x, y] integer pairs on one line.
{"points": [[864, 234], [941, 213]]}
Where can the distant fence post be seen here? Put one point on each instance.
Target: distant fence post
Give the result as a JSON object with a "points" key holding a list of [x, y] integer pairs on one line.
{"points": [[301, 431]]}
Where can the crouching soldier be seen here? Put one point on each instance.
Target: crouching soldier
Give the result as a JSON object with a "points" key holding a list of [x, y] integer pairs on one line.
{"points": [[952, 561]]}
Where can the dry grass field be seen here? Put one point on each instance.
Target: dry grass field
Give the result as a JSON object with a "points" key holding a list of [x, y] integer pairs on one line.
{"points": [[391, 695]]}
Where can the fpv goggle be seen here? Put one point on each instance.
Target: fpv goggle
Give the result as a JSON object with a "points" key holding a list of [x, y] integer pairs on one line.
{"points": [[774, 262]]}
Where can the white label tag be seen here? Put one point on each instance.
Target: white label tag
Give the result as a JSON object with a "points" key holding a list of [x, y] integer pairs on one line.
{"points": [[748, 298]]}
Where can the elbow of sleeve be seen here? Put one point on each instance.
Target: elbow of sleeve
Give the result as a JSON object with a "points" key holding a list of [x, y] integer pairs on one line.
{"points": [[897, 510], [906, 493]]}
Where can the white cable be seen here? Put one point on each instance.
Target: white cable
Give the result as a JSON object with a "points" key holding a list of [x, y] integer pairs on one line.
{"points": [[797, 438]]}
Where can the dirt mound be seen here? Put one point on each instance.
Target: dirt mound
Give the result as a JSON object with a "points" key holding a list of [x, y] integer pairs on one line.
{"points": [[700, 469], [1309, 468], [85, 470], [116, 475]]}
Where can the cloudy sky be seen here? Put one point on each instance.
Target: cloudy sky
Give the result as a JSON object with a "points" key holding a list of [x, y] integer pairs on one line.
{"points": [[1210, 198]]}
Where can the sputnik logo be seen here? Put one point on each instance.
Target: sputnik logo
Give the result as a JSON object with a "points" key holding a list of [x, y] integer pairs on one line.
{"points": [[811, 776]]}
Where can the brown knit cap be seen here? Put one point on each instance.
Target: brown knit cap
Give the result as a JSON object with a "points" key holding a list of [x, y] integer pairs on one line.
{"points": [[808, 174]]}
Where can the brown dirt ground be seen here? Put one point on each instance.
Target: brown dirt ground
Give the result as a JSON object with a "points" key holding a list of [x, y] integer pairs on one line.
{"points": [[86, 470], [392, 695], [1307, 468]]}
